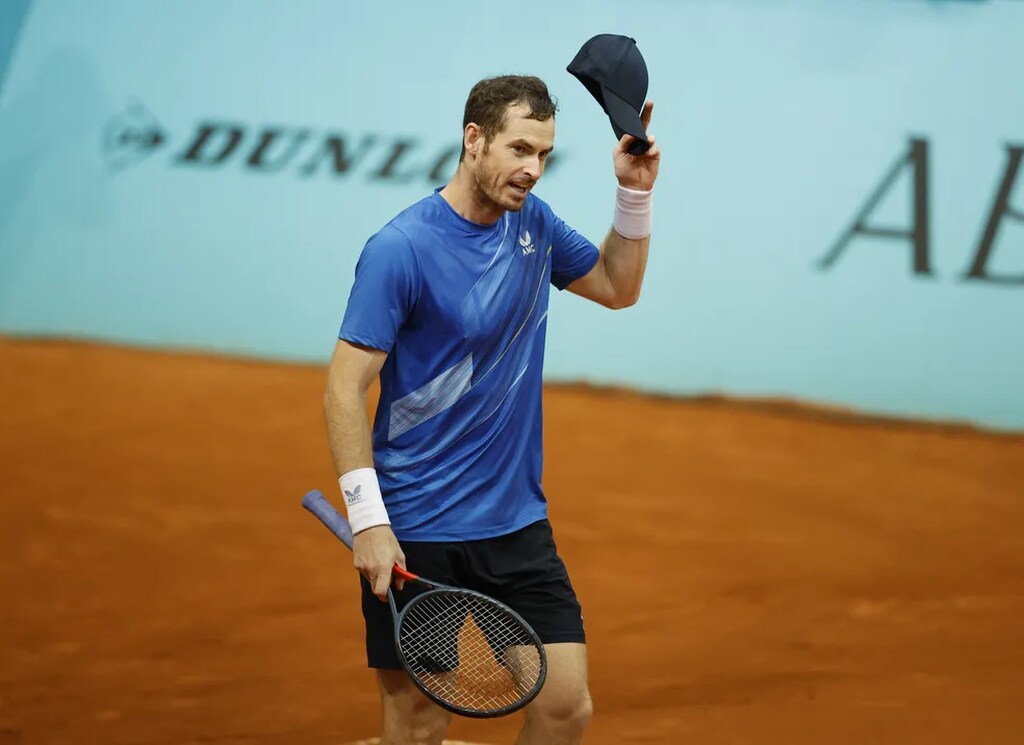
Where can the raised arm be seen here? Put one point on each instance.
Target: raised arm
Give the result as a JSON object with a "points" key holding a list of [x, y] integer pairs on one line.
{"points": [[616, 279]]}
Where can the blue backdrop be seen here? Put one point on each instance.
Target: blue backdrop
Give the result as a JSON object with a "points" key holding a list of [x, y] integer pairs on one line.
{"points": [[203, 174]]}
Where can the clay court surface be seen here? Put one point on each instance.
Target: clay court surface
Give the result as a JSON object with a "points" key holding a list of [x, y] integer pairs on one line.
{"points": [[750, 574]]}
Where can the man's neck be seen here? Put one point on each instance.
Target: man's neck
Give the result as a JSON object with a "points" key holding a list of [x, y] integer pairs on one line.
{"points": [[465, 198]]}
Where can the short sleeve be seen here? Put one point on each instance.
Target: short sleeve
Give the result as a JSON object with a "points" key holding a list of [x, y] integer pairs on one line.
{"points": [[385, 290], [572, 255]]}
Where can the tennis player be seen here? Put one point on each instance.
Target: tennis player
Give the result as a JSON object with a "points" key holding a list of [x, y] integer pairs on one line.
{"points": [[449, 310]]}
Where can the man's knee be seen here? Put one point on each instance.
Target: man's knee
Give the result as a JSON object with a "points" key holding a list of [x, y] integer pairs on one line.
{"points": [[578, 713], [570, 712]]}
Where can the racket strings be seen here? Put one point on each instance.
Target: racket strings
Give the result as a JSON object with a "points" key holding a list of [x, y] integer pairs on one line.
{"points": [[469, 651]]}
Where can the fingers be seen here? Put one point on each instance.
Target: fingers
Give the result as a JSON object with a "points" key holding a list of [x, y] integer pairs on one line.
{"points": [[375, 551], [645, 115], [381, 582], [653, 152], [622, 148], [380, 576], [400, 581]]}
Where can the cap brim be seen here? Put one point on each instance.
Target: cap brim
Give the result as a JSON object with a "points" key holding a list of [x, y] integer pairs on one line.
{"points": [[624, 118]]}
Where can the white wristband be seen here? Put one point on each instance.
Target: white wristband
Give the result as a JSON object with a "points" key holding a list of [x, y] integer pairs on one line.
{"points": [[633, 211], [363, 499]]}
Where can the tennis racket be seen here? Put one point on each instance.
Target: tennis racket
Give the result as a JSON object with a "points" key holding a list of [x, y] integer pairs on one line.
{"points": [[466, 651]]}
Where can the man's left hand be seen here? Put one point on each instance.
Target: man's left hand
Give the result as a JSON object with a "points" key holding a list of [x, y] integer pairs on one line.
{"points": [[637, 171]]}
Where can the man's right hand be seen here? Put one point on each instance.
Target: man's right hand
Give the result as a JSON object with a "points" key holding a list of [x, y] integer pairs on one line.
{"points": [[376, 552]]}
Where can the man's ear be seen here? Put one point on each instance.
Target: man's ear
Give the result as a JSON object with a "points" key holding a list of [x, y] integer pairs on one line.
{"points": [[472, 139]]}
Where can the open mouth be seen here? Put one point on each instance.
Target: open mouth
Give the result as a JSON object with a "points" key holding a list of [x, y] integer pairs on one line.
{"points": [[520, 188]]}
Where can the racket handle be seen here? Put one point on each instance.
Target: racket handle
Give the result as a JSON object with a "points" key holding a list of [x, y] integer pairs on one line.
{"points": [[316, 503]]}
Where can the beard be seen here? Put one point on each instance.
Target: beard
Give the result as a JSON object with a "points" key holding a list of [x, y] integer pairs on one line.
{"points": [[494, 191]]}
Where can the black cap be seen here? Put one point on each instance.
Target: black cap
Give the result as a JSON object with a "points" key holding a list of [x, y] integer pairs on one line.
{"points": [[614, 71]]}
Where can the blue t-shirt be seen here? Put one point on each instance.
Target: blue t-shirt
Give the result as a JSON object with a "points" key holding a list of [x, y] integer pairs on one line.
{"points": [[460, 308]]}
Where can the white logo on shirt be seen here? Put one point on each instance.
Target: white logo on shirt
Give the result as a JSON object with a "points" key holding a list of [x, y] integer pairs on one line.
{"points": [[527, 243]]}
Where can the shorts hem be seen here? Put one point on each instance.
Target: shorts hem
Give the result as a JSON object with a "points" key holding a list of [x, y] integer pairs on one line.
{"points": [[384, 665], [569, 638]]}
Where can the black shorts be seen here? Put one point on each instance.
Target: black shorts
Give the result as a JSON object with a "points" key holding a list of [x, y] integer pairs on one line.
{"points": [[521, 569]]}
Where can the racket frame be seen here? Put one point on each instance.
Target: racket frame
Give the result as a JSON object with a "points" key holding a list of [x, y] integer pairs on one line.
{"points": [[437, 588]]}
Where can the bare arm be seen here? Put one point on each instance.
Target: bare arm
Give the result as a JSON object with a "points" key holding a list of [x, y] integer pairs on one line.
{"points": [[615, 280], [352, 371]]}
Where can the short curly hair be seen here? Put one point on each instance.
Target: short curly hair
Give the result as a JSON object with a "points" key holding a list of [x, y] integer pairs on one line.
{"points": [[491, 98]]}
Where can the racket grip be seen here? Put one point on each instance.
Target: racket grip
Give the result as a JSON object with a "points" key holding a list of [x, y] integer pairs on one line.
{"points": [[316, 503]]}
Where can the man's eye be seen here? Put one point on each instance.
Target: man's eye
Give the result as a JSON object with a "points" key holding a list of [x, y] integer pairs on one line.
{"points": [[519, 149]]}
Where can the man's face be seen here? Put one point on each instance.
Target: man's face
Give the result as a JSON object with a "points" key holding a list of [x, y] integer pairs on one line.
{"points": [[508, 165]]}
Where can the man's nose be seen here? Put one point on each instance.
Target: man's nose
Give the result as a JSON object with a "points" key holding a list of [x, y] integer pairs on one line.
{"points": [[533, 169]]}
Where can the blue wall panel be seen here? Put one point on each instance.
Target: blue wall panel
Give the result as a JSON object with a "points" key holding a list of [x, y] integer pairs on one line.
{"points": [[777, 119]]}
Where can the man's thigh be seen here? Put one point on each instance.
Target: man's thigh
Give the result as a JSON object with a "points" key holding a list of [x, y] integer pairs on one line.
{"points": [[524, 571]]}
